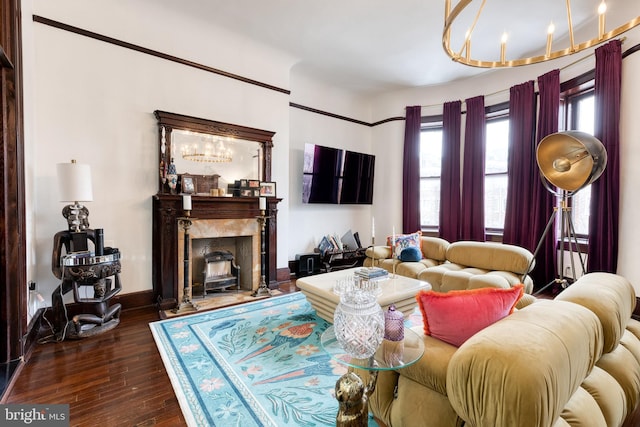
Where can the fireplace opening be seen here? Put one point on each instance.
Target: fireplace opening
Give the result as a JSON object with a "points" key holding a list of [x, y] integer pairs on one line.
{"points": [[220, 272], [221, 264]]}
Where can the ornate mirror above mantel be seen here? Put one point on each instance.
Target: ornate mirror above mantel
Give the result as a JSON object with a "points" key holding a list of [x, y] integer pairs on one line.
{"points": [[212, 155], [215, 152]]}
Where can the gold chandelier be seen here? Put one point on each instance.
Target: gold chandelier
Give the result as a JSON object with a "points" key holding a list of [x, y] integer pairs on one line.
{"points": [[207, 150], [463, 55]]}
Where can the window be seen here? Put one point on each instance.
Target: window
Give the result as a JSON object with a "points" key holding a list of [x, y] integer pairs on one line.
{"points": [[430, 165], [495, 173], [580, 116]]}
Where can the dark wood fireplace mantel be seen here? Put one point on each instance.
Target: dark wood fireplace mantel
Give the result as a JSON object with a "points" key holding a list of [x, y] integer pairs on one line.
{"points": [[167, 208]]}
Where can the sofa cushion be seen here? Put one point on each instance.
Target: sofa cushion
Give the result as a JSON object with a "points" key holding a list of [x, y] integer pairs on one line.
{"points": [[411, 254], [611, 297], [455, 316], [490, 256]]}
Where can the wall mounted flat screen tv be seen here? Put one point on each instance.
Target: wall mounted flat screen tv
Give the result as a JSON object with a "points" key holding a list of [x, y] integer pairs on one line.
{"points": [[332, 175]]}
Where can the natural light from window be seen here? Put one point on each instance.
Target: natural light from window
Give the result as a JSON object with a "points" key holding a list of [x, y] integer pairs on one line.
{"points": [[495, 181], [430, 165], [585, 115]]}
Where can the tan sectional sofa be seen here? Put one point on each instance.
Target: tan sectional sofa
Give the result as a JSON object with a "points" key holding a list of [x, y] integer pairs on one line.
{"points": [[460, 265], [572, 361]]}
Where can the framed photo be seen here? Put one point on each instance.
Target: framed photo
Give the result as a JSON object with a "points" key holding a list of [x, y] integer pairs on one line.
{"points": [[268, 189], [245, 192], [254, 183], [187, 185]]}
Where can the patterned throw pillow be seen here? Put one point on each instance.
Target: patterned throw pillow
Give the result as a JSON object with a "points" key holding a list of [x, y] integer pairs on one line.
{"points": [[455, 316], [404, 241]]}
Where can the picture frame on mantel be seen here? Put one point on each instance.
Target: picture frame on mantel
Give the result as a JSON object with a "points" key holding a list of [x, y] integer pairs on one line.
{"points": [[268, 189]]}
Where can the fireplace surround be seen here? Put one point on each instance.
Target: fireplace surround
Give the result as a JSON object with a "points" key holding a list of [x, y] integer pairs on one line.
{"points": [[212, 217]]}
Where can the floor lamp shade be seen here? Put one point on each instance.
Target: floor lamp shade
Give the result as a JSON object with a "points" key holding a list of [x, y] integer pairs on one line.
{"points": [[571, 160], [74, 182]]}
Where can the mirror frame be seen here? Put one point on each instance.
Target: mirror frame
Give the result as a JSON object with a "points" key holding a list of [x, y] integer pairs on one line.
{"points": [[169, 121]]}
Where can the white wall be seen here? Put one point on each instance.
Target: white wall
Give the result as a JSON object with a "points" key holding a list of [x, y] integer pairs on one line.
{"points": [[94, 102], [310, 222], [628, 264]]}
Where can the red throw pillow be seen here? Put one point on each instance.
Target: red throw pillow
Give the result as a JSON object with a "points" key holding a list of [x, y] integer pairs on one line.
{"points": [[455, 316]]}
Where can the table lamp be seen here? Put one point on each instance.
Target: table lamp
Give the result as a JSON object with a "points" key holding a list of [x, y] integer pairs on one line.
{"points": [[74, 183]]}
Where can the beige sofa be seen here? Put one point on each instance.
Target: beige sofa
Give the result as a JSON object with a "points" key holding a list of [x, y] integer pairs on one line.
{"points": [[460, 265], [572, 361]]}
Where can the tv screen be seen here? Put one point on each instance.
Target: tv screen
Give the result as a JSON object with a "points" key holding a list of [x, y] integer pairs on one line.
{"points": [[332, 175], [357, 178]]}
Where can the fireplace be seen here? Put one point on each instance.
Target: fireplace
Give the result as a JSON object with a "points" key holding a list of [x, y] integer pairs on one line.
{"points": [[219, 223], [239, 237]]}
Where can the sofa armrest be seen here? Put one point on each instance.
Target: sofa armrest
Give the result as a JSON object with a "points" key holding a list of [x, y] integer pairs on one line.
{"points": [[378, 252], [522, 370]]}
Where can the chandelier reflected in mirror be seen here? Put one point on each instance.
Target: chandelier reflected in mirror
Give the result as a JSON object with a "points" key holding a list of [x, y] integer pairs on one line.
{"points": [[464, 52], [208, 149]]}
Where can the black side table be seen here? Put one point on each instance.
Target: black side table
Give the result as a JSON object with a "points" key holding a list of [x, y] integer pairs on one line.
{"points": [[90, 315]]}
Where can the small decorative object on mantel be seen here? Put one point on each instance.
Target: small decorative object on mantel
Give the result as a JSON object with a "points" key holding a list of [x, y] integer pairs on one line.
{"points": [[268, 189], [172, 177]]}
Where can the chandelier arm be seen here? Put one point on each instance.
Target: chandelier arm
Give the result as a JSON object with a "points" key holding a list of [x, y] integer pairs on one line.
{"points": [[473, 26], [572, 44], [450, 16]]}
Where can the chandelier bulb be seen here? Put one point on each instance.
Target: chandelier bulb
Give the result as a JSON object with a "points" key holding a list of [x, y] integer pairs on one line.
{"points": [[601, 11], [551, 28]]}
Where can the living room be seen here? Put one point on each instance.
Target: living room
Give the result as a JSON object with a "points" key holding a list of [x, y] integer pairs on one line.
{"points": [[93, 101], [109, 117]]}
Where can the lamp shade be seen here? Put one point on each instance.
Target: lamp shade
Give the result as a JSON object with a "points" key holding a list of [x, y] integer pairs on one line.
{"points": [[571, 160], [74, 182]]}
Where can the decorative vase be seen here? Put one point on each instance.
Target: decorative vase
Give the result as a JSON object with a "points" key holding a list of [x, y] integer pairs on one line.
{"points": [[172, 177], [359, 324], [393, 324]]}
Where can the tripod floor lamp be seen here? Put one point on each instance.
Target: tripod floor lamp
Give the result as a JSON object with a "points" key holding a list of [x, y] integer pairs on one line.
{"points": [[568, 162]]}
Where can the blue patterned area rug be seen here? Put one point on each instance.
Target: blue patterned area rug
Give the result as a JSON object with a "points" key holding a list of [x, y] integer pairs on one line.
{"points": [[255, 364]]}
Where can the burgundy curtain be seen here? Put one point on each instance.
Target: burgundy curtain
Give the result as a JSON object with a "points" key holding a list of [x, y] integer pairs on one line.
{"points": [[472, 212], [450, 172], [521, 170], [544, 201], [602, 254], [411, 171]]}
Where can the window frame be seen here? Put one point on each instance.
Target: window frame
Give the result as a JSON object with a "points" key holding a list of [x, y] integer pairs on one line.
{"points": [[569, 97], [431, 123], [496, 112]]}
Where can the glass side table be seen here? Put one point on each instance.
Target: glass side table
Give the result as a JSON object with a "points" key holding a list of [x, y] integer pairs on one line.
{"points": [[351, 392]]}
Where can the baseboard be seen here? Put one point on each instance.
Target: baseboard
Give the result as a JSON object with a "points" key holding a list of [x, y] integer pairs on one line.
{"points": [[134, 299], [283, 275], [32, 335]]}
